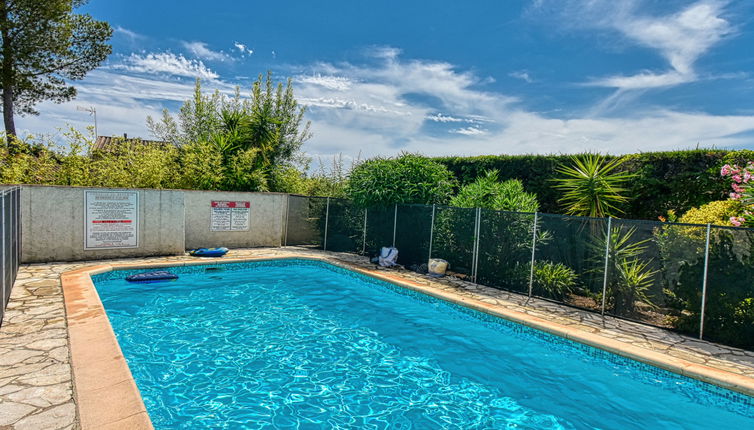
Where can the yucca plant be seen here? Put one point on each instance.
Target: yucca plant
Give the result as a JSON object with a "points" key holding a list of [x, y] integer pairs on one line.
{"points": [[629, 276], [635, 279], [592, 187]]}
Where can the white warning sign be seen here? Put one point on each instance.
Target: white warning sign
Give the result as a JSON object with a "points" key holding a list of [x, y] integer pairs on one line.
{"points": [[111, 219], [229, 216]]}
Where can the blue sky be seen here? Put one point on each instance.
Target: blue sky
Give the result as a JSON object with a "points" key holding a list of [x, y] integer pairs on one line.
{"points": [[442, 78]]}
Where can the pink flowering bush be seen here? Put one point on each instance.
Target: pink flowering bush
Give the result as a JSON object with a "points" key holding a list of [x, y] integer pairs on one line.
{"points": [[742, 184]]}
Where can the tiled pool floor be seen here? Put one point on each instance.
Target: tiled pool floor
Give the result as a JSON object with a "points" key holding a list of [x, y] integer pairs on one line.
{"points": [[36, 384]]}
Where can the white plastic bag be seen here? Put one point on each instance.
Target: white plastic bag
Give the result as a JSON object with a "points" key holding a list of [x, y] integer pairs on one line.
{"points": [[388, 257]]}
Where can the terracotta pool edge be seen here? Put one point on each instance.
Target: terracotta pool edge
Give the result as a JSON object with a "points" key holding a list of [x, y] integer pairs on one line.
{"points": [[106, 395], [78, 282]]}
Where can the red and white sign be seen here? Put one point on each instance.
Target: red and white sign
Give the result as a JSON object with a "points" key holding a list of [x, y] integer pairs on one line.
{"points": [[112, 219], [229, 216]]}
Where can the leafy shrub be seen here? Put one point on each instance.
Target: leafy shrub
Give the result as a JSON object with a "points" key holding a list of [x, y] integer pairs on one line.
{"points": [[555, 279], [717, 213], [409, 178], [329, 180], [488, 192]]}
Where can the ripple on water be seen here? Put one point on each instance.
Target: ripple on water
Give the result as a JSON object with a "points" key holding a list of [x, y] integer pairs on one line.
{"points": [[265, 358]]}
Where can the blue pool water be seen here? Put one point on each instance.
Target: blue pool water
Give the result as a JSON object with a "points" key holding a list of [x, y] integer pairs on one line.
{"points": [[299, 344]]}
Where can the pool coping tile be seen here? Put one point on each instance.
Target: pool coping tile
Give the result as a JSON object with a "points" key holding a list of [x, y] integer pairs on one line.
{"points": [[95, 351]]}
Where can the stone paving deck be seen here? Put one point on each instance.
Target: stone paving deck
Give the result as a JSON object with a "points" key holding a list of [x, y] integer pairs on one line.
{"points": [[37, 390]]}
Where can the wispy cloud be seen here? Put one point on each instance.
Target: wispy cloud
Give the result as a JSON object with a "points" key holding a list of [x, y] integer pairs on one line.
{"points": [[469, 131], [397, 104], [681, 38], [407, 96], [201, 50], [132, 35], [439, 117], [242, 48], [168, 63], [338, 83], [521, 74]]}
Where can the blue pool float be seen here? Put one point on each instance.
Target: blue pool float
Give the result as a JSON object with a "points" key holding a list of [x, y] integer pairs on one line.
{"points": [[157, 276], [209, 252]]}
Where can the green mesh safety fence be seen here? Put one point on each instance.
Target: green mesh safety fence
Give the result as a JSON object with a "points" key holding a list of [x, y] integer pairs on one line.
{"points": [[10, 245], [380, 223], [345, 227], [412, 234], [505, 240], [569, 260], [645, 271], [655, 273], [729, 310], [305, 221], [453, 238]]}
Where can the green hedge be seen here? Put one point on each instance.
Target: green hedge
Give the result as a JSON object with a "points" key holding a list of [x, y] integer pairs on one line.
{"points": [[677, 180]]}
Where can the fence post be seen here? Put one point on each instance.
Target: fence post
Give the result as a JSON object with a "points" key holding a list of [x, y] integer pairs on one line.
{"points": [[2, 250], [287, 214], [704, 283], [11, 234], [364, 239], [533, 249], [395, 223], [607, 257], [327, 220], [19, 230], [475, 249], [431, 234]]}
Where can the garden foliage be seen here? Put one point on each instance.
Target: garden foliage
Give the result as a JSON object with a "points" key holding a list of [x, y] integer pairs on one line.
{"points": [[592, 186], [408, 178], [663, 181], [488, 192], [215, 143]]}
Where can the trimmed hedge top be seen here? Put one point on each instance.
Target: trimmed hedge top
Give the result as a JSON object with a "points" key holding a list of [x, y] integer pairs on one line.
{"points": [[674, 180]]}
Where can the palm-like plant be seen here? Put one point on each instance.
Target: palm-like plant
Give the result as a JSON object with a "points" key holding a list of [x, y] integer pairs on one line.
{"points": [[629, 276], [592, 186]]}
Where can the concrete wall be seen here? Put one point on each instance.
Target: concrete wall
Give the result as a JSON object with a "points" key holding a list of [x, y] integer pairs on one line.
{"points": [[53, 225], [266, 220], [170, 221]]}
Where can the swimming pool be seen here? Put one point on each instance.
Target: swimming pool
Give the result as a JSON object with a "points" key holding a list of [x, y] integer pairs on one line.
{"points": [[304, 344]]}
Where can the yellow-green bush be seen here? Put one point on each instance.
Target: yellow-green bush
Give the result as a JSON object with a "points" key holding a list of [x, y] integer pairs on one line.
{"points": [[717, 213]]}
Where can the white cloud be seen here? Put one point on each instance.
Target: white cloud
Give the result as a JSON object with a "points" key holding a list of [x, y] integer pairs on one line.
{"points": [[444, 118], [132, 35], [399, 88], [521, 74], [385, 52], [242, 48], [166, 62], [338, 83], [681, 38], [643, 80], [469, 131], [201, 50], [395, 106], [122, 100]]}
